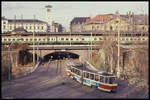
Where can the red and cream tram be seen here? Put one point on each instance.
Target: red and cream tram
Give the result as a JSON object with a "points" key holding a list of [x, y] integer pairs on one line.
{"points": [[99, 79]]}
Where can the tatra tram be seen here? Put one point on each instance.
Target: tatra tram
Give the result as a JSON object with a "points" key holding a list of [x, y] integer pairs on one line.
{"points": [[86, 76]]}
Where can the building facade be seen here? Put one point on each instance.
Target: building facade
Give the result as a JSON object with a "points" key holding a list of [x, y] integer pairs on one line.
{"points": [[30, 25], [77, 23], [56, 27], [115, 22]]}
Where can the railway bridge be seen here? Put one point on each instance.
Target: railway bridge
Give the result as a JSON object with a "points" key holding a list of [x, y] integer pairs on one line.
{"points": [[84, 52]]}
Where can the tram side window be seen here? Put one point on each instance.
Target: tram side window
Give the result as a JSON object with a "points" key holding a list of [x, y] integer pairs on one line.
{"points": [[68, 67], [92, 76], [101, 79], [106, 80], [84, 74], [96, 78], [71, 69], [87, 75], [78, 72]]}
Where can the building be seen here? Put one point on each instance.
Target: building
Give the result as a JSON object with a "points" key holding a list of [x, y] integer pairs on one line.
{"points": [[77, 23], [115, 22], [4, 25], [30, 25], [56, 27]]}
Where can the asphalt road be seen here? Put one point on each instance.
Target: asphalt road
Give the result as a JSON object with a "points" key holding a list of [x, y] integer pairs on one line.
{"points": [[51, 81]]}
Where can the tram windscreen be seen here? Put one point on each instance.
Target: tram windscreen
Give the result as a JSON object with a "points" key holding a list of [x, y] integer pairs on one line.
{"points": [[112, 80]]}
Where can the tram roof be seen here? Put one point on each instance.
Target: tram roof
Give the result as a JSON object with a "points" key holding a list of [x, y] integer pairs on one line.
{"points": [[83, 67]]}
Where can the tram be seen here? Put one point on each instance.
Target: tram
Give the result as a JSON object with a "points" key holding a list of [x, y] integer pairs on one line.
{"points": [[99, 79]]}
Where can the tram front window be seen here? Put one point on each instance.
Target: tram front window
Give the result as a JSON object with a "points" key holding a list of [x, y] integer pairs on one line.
{"points": [[112, 80]]}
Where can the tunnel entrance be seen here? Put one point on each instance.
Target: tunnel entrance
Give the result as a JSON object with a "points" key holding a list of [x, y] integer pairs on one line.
{"points": [[60, 55]]}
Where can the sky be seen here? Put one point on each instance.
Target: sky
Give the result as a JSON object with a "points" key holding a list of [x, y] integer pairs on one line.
{"points": [[64, 12]]}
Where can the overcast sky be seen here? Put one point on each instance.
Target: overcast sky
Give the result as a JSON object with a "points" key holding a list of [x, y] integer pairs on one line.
{"points": [[64, 12]]}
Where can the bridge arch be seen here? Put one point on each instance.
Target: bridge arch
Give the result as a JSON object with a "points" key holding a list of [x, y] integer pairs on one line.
{"points": [[60, 55]]}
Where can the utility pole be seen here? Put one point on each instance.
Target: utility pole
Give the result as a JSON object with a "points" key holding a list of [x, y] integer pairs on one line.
{"points": [[118, 70], [91, 48], [70, 38], [9, 65], [33, 42]]}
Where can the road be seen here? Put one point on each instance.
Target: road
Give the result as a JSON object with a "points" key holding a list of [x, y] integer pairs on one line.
{"points": [[51, 81]]}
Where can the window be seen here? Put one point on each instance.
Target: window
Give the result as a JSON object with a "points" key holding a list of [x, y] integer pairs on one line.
{"points": [[30, 27], [101, 79], [105, 27], [92, 27], [26, 39], [117, 21], [30, 39], [38, 27], [42, 27], [82, 38], [9, 39], [71, 38], [62, 38], [106, 80], [84, 74], [100, 39], [87, 75], [92, 76], [97, 27], [10, 27], [77, 39], [96, 78], [26, 27], [4, 27], [66, 38], [112, 79], [4, 22], [110, 27], [95, 38]]}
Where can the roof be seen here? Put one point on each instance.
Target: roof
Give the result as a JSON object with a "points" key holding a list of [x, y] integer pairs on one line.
{"points": [[79, 19], [25, 21], [101, 18], [138, 19], [141, 19], [3, 18], [19, 29]]}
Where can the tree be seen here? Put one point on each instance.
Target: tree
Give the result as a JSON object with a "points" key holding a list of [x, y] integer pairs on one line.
{"points": [[106, 59]]}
